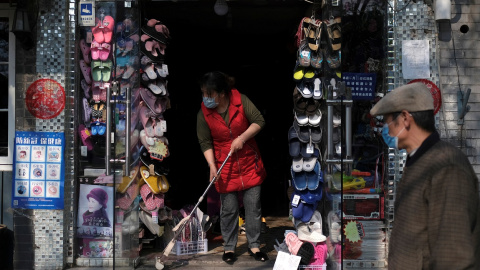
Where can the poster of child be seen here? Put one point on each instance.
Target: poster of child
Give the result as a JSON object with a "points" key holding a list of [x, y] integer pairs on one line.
{"points": [[95, 212]]}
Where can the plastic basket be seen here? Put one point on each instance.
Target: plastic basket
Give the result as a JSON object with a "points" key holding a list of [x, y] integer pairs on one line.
{"points": [[316, 267], [186, 248]]}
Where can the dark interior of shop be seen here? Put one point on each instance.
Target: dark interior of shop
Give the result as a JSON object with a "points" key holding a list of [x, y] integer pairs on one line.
{"points": [[254, 43]]}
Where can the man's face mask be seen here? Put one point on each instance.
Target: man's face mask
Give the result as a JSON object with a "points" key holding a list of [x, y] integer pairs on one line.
{"points": [[392, 142]]}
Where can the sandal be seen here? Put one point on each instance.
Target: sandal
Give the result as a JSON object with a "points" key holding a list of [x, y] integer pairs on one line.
{"points": [[157, 30], [335, 34], [259, 256]]}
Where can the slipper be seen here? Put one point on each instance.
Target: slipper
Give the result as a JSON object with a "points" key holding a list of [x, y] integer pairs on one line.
{"points": [[94, 48], [108, 25], [312, 106], [87, 111], [317, 59], [156, 104], [158, 87], [298, 72], [97, 70], [310, 196], [153, 202], [163, 184], [106, 70], [335, 34], [150, 179], [86, 137], [94, 128], [97, 111], [305, 155], [304, 89], [86, 88], [146, 140], [308, 164], [102, 128], [297, 164], [309, 74], [147, 117], [301, 119], [157, 30], [162, 72], [128, 180], [99, 93], [314, 177], [314, 120], [313, 37], [155, 53], [317, 89], [299, 103], [302, 132], [299, 179], [126, 201], [304, 55], [97, 31], [154, 228], [316, 134], [85, 51], [104, 51], [150, 71], [121, 60], [128, 72], [85, 71], [334, 59], [294, 143]]}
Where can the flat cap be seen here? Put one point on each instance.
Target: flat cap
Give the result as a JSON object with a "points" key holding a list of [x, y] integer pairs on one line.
{"points": [[410, 97]]}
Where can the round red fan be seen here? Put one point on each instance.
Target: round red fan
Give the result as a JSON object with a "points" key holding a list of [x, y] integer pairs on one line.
{"points": [[434, 90]]}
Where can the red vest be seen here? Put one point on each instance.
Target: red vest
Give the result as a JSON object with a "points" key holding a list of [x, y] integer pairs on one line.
{"points": [[245, 168]]}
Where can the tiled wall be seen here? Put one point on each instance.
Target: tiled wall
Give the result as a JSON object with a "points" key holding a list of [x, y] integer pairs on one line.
{"points": [[41, 235]]}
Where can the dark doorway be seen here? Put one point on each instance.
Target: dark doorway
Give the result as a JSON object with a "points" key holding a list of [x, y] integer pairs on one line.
{"points": [[254, 43]]}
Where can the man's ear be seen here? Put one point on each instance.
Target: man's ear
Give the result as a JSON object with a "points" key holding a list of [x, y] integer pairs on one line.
{"points": [[407, 119]]}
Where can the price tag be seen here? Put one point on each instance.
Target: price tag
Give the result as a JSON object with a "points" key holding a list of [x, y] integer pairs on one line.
{"points": [[165, 68], [83, 151], [155, 216], [120, 215], [163, 125], [310, 149], [306, 54], [295, 200]]}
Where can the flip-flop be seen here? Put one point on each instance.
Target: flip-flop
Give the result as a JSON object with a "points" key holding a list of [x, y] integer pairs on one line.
{"points": [[150, 179], [150, 71], [85, 51], [157, 30], [130, 70], [85, 71], [102, 128], [94, 128], [128, 180]]}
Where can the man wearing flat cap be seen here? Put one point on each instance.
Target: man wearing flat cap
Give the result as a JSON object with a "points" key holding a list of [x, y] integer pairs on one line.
{"points": [[437, 212]]}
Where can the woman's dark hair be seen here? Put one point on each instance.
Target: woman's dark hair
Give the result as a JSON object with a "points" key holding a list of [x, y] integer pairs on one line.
{"points": [[217, 81], [424, 119]]}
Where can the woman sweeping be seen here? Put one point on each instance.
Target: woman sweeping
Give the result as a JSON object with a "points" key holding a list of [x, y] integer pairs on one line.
{"points": [[228, 121]]}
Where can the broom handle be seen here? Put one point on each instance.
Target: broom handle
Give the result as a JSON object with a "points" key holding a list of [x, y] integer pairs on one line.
{"points": [[169, 247]]}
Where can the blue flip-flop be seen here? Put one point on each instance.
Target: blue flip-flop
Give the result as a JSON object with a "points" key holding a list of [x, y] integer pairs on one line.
{"points": [[94, 127], [299, 180]]}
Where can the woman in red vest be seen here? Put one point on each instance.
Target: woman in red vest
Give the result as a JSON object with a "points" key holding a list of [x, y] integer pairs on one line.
{"points": [[228, 121]]}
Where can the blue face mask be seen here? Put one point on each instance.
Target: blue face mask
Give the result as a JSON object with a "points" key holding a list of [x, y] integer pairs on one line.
{"points": [[392, 142], [209, 102]]}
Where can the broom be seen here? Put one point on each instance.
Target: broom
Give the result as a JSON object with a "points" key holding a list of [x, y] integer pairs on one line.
{"points": [[181, 225]]}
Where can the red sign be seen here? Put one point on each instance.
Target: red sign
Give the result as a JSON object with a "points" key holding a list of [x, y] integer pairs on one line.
{"points": [[45, 99], [436, 94]]}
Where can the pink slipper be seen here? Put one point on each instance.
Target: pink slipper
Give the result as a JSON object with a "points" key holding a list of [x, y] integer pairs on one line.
{"points": [[152, 201], [86, 137], [95, 49], [97, 31], [85, 51], [104, 51], [86, 88], [108, 25], [127, 200], [86, 71]]}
